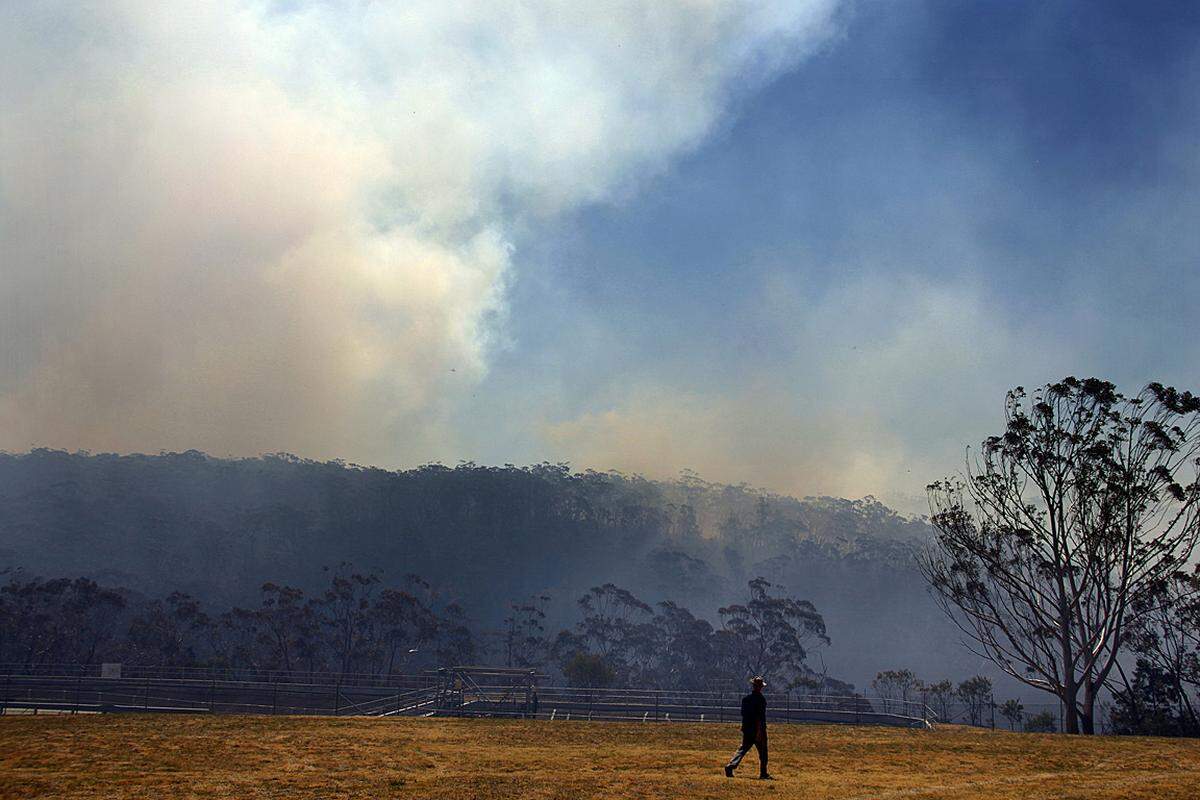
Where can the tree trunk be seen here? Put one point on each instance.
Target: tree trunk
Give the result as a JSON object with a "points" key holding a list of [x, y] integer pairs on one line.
{"points": [[1089, 710], [1070, 710], [1070, 686], [1186, 712]]}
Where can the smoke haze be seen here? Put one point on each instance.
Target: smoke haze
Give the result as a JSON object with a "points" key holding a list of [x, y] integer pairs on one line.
{"points": [[805, 245], [251, 226]]}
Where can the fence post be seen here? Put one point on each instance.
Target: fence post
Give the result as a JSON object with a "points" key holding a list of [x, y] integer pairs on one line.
{"points": [[212, 695], [146, 696], [337, 698], [274, 699], [78, 683], [4, 702], [656, 705], [992, 703]]}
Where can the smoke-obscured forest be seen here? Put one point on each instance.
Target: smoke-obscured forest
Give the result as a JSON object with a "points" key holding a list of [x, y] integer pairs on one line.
{"points": [[485, 539]]}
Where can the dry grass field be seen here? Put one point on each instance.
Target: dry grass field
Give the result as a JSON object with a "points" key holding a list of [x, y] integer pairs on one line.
{"points": [[135, 756]]}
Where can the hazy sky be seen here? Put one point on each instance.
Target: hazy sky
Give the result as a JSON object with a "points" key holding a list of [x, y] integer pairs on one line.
{"points": [[804, 245]]}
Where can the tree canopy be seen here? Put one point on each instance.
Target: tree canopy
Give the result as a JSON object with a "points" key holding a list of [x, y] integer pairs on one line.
{"points": [[1064, 529]]}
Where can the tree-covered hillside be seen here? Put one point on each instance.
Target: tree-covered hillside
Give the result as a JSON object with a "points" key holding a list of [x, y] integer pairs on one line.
{"points": [[487, 537]]}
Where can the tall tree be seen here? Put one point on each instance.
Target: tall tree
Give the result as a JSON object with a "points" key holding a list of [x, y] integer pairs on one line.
{"points": [[61, 620], [406, 623], [288, 626], [684, 651], [1151, 705], [525, 642], [896, 684], [345, 610], [941, 698], [612, 624], [770, 635], [1014, 712], [1166, 636], [167, 632], [454, 642], [976, 696], [1044, 548]]}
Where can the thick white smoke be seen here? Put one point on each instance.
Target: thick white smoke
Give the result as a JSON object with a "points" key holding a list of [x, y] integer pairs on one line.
{"points": [[258, 226]]}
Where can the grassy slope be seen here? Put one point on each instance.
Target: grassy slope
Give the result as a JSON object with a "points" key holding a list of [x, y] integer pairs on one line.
{"points": [[297, 757]]}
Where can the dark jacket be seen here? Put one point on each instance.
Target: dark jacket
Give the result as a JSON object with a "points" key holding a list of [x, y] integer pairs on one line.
{"points": [[754, 713]]}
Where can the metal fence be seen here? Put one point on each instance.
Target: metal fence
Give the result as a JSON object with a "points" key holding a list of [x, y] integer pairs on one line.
{"points": [[241, 674], [610, 704], [440, 695], [1039, 717], [80, 693], [248, 690]]}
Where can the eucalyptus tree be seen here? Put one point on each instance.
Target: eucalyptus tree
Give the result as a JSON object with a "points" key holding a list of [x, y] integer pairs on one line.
{"points": [[614, 624], [524, 638], [288, 625], [941, 697], [167, 633], [346, 610], [454, 641], [685, 658], [1166, 638], [1014, 712], [60, 620], [771, 635], [976, 696], [405, 624], [897, 684], [1060, 529]]}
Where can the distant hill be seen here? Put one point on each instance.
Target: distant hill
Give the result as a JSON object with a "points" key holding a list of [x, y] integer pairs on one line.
{"points": [[217, 528]]}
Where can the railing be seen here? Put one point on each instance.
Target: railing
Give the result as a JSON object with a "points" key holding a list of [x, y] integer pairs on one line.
{"points": [[579, 703], [417, 701], [249, 674], [85, 693], [78, 694]]}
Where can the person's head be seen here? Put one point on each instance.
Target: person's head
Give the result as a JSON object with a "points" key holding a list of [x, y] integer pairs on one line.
{"points": [[757, 683]]}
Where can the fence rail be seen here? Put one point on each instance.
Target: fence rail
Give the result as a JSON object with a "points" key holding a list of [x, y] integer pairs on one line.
{"points": [[241, 674], [678, 706], [439, 697]]}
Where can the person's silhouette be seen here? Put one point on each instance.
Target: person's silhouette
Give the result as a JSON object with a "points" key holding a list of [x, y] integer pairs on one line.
{"points": [[754, 730]]}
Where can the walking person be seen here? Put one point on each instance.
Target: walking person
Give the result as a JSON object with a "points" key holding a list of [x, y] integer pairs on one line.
{"points": [[754, 730]]}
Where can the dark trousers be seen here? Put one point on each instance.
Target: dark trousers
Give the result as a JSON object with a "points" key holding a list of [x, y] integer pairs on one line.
{"points": [[751, 740]]}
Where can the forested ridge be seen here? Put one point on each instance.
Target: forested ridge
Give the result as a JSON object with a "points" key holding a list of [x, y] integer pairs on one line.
{"points": [[483, 537]]}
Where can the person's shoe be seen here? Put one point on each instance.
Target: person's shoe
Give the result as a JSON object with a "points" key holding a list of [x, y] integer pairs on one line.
{"points": [[766, 776], [729, 772]]}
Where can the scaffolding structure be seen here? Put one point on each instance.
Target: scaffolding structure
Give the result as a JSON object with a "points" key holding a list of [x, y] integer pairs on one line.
{"points": [[480, 691]]}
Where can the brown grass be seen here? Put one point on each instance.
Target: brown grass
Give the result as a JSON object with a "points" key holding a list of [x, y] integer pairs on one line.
{"points": [[135, 756]]}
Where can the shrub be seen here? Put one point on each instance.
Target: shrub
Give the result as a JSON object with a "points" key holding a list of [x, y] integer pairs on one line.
{"points": [[1045, 722]]}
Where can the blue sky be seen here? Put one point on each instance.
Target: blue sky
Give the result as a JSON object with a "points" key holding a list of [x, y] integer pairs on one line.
{"points": [[1037, 161], [804, 245]]}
